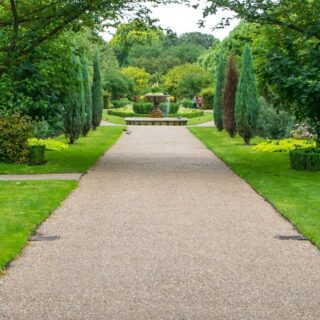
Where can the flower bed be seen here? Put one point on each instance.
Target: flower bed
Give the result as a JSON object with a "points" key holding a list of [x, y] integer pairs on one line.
{"points": [[283, 145]]}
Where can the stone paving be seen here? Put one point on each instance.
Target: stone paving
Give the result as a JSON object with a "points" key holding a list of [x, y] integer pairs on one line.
{"points": [[161, 229]]}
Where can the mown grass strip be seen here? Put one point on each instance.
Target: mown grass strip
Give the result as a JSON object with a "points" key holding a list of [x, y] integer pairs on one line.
{"points": [[23, 206], [78, 158], [295, 194]]}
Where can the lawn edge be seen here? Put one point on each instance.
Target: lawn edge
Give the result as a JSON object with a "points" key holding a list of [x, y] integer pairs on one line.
{"points": [[264, 197], [37, 226]]}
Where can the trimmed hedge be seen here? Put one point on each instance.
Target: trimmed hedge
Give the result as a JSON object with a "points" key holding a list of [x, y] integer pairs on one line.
{"points": [[143, 107], [37, 155], [120, 103], [174, 107], [15, 131], [187, 103], [305, 159], [122, 114]]}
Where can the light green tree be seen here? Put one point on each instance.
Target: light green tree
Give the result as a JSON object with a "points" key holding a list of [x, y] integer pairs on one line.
{"points": [[139, 76]]}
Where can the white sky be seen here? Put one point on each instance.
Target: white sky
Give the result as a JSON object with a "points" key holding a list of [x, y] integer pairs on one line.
{"points": [[183, 19]]}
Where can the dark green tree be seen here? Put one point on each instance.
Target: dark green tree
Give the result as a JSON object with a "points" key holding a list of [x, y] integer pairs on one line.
{"points": [[247, 98], [229, 97], [74, 113], [217, 108], [97, 93], [87, 98]]}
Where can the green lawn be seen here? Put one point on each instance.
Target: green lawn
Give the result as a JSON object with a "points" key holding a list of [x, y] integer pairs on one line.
{"points": [[78, 158], [208, 116], [24, 205], [295, 194], [113, 119]]}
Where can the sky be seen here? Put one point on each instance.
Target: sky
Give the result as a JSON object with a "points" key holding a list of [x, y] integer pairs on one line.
{"points": [[183, 19]]}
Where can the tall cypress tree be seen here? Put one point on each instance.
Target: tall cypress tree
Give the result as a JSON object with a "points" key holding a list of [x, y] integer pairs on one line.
{"points": [[217, 108], [97, 93], [74, 113], [229, 97], [87, 98], [247, 98]]}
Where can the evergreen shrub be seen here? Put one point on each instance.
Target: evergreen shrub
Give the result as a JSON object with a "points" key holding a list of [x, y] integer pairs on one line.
{"points": [[15, 131], [305, 159], [143, 107]]}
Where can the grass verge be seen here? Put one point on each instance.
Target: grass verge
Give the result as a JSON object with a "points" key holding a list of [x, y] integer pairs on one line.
{"points": [[24, 205], [208, 116], [78, 158], [295, 194], [113, 119]]}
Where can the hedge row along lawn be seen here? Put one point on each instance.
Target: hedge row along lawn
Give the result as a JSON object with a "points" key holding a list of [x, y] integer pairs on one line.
{"points": [[295, 194], [24, 205], [193, 121], [78, 158]]}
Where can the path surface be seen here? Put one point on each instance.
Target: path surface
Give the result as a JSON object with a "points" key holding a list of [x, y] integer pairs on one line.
{"points": [[161, 229], [49, 176]]}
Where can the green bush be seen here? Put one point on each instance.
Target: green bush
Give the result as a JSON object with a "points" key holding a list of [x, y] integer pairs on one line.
{"points": [[143, 107], [189, 115], [187, 103], [305, 159], [124, 114], [41, 129], [120, 103], [207, 95], [273, 124], [15, 131], [36, 155], [174, 107]]}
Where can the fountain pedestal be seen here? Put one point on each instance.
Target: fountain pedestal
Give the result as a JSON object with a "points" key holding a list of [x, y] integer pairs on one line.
{"points": [[156, 98]]}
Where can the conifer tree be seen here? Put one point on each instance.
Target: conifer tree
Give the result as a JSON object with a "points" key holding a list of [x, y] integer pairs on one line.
{"points": [[74, 113], [217, 108], [97, 93], [229, 97], [87, 98], [247, 99]]}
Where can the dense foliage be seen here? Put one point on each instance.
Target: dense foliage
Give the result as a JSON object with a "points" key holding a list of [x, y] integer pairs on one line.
{"points": [[220, 76], [247, 102], [15, 131], [97, 92], [87, 99], [75, 109], [228, 100]]}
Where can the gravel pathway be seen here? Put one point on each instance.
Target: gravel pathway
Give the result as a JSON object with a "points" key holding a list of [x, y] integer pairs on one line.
{"points": [[161, 229], [49, 176]]}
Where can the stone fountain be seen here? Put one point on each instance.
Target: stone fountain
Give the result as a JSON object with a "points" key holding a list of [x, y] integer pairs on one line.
{"points": [[156, 116], [156, 99]]}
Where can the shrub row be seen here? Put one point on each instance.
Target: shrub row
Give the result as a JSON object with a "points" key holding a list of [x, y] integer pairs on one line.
{"points": [[120, 103], [174, 107], [305, 159], [143, 107], [122, 114]]}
